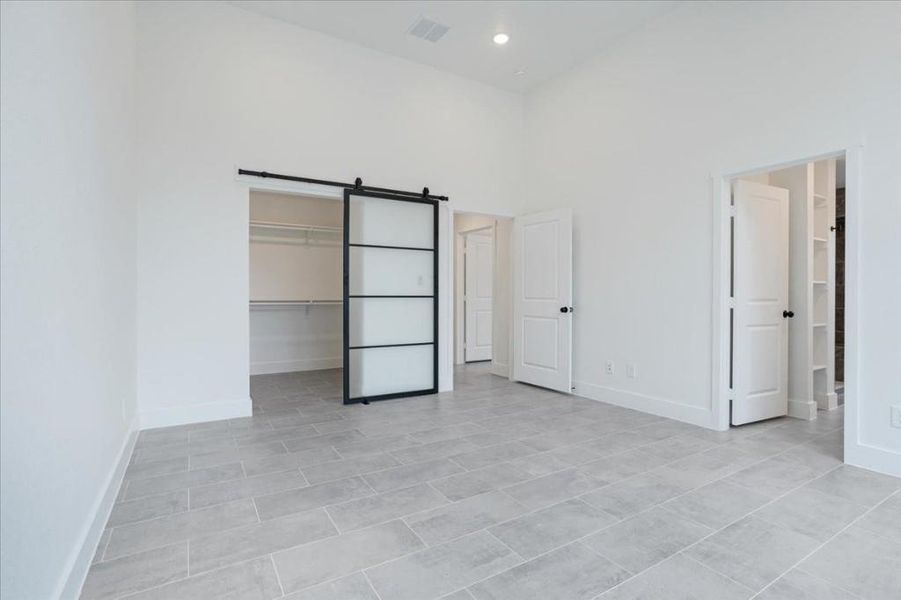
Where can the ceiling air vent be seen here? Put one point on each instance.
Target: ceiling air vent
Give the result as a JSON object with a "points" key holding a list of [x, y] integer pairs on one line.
{"points": [[426, 29]]}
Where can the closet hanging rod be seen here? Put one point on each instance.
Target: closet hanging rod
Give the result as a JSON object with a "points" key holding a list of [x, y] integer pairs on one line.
{"points": [[356, 185], [292, 302], [297, 226]]}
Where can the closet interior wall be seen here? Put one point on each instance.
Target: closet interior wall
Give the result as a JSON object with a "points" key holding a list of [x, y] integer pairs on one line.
{"points": [[295, 283]]}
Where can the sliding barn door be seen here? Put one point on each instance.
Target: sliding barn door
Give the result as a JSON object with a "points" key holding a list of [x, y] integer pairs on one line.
{"points": [[390, 296]]}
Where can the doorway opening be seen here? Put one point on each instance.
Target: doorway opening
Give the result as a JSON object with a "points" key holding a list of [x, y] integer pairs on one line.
{"points": [[477, 295], [482, 290], [295, 259], [785, 295], [343, 296]]}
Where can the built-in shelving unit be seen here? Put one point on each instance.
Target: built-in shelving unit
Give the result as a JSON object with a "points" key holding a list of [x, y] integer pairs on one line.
{"points": [[812, 287], [822, 322]]}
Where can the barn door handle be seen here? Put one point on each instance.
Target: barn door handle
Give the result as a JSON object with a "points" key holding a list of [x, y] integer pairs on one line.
{"points": [[788, 314]]}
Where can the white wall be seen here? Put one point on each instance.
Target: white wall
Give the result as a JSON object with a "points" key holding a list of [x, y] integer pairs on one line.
{"points": [[289, 339], [68, 285], [630, 140], [221, 88]]}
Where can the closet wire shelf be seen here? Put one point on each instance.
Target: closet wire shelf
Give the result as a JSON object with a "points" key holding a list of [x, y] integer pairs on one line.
{"points": [[294, 226], [257, 304]]}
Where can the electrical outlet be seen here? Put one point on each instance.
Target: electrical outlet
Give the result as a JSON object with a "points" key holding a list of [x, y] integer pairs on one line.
{"points": [[611, 368], [896, 416], [630, 371]]}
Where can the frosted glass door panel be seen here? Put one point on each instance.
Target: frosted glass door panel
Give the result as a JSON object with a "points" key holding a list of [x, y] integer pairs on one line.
{"points": [[383, 321], [379, 371], [383, 222], [390, 289], [390, 272]]}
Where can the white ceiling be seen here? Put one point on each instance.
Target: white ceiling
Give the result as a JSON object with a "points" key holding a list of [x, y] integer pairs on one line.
{"points": [[546, 38]]}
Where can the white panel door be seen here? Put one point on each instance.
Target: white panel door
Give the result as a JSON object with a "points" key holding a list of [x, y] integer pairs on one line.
{"points": [[478, 254], [760, 326], [542, 299]]}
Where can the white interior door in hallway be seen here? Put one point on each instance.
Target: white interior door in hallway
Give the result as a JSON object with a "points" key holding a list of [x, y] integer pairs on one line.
{"points": [[760, 301], [542, 299], [478, 295]]}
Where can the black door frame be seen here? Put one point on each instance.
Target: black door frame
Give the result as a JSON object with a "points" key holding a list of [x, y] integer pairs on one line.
{"points": [[348, 192]]}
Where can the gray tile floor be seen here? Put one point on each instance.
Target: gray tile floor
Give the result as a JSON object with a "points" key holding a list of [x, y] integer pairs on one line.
{"points": [[496, 491]]}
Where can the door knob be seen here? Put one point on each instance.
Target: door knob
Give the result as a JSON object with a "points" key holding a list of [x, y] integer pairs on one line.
{"points": [[564, 309], [788, 314]]}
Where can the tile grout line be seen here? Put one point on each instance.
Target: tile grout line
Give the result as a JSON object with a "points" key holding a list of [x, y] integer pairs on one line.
{"points": [[278, 578], [762, 506], [829, 496], [635, 515], [134, 593], [832, 537], [607, 558], [818, 578], [712, 570], [580, 539], [548, 506], [331, 520], [521, 558], [427, 482], [879, 534], [371, 585], [105, 546], [714, 532]]}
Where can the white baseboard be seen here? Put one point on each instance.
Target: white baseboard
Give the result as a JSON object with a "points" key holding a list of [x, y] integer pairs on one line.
{"points": [[802, 409], [195, 413], [82, 557], [873, 458], [290, 366], [500, 369], [661, 407], [827, 401]]}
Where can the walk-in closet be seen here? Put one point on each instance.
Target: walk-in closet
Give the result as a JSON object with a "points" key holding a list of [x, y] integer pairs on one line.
{"points": [[295, 283], [342, 299]]}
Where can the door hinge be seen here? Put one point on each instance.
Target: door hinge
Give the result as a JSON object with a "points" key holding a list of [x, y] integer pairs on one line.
{"points": [[731, 302]]}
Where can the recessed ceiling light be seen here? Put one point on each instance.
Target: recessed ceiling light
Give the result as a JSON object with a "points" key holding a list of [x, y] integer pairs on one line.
{"points": [[501, 38], [519, 72]]}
